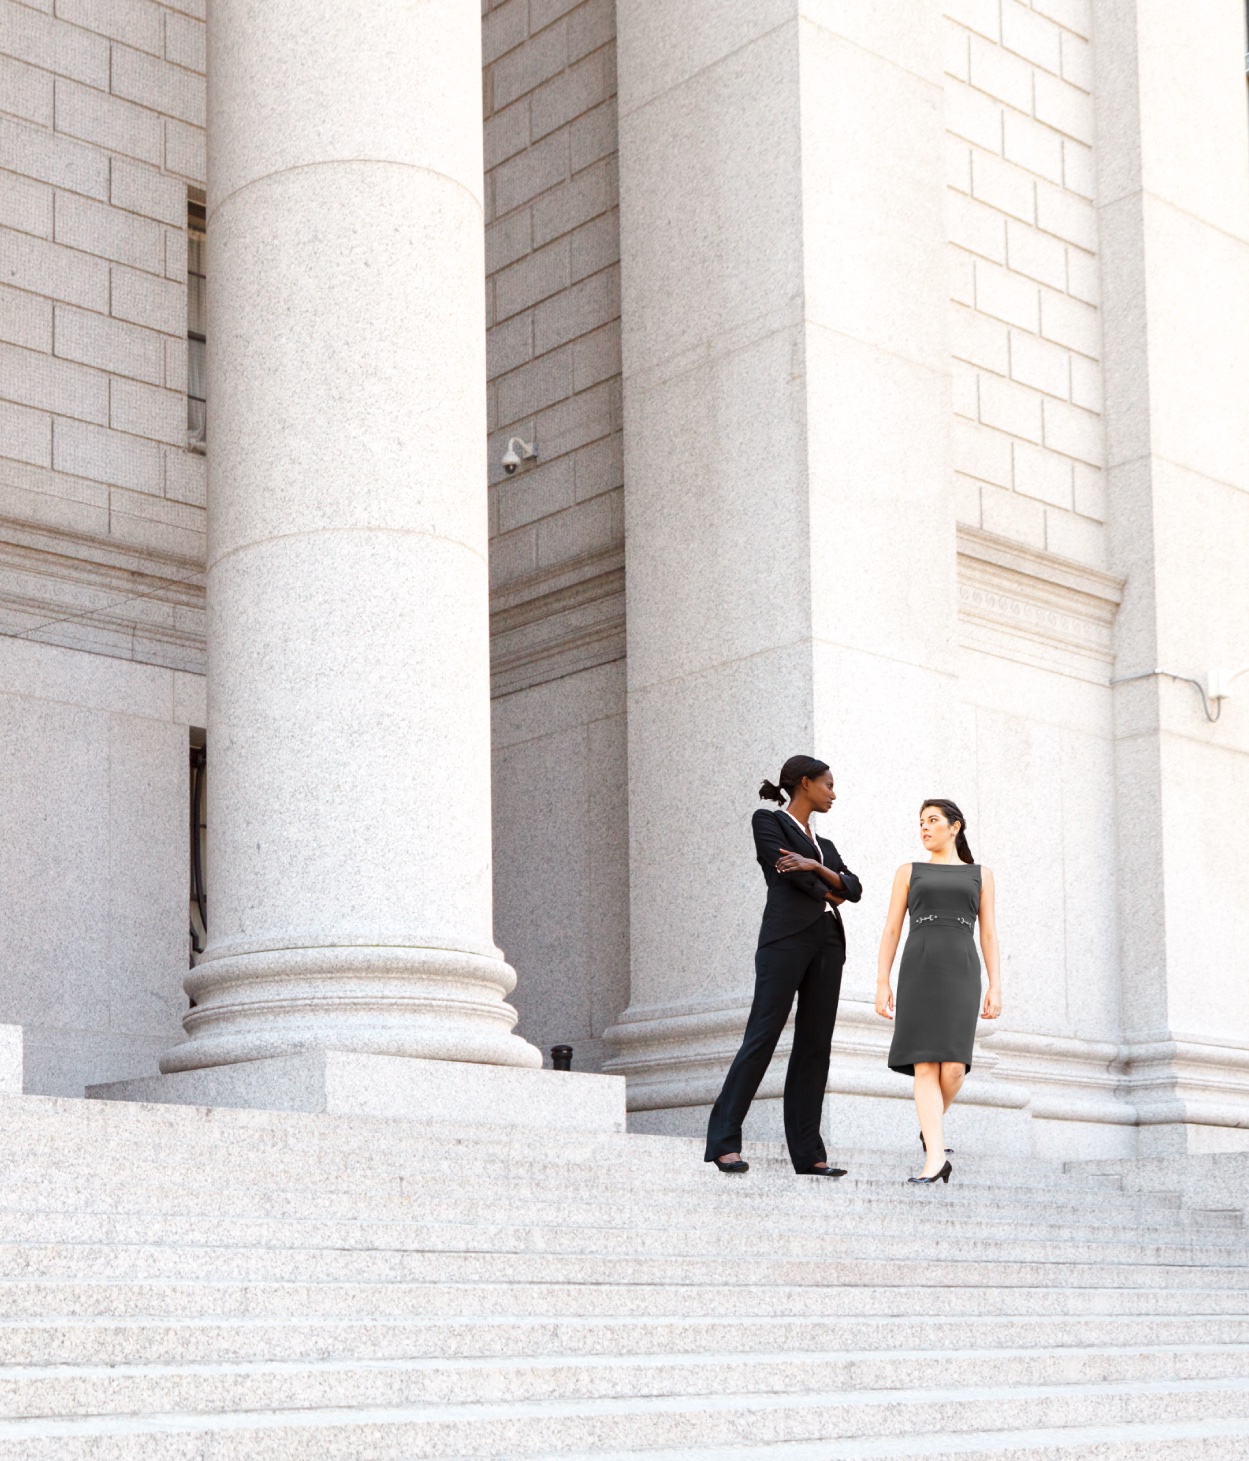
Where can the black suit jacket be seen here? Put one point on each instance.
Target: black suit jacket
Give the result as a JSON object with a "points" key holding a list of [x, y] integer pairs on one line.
{"points": [[795, 900]]}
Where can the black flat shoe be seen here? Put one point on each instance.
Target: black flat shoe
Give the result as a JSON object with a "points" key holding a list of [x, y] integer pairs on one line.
{"points": [[737, 1166], [949, 1151], [820, 1172], [942, 1176]]}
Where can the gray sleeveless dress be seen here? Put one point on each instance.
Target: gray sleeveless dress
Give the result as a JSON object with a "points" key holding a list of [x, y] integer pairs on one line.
{"points": [[938, 997]]}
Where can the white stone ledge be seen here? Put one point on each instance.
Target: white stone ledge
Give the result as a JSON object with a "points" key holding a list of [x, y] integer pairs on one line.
{"points": [[1206, 1180], [398, 1087]]}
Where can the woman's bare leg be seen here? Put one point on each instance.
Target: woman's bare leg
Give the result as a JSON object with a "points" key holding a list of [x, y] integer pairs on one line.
{"points": [[953, 1073], [928, 1104]]}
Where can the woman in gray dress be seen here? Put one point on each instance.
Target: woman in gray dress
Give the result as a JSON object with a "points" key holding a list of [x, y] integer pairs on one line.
{"points": [[939, 977]]}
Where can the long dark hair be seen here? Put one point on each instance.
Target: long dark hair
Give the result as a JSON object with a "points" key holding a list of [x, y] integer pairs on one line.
{"points": [[949, 810], [790, 778]]}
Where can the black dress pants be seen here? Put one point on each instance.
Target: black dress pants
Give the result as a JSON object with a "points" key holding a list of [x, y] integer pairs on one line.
{"points": [[809, 964]]}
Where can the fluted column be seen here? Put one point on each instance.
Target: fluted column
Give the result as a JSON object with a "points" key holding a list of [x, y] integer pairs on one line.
{"points": [[348, 724]]}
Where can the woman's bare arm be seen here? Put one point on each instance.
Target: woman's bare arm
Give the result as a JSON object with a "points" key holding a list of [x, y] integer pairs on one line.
{"points": [[889, 940], [989, 946]]}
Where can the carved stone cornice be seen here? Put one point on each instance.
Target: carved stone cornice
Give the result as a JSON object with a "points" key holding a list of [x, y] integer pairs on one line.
{"points": [[1034, 607], [557, 621], [53, 592]]}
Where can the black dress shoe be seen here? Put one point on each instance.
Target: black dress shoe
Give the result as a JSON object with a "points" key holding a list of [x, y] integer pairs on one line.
{"points": [[737, 1166], [820, 1171], [942, 1176]]}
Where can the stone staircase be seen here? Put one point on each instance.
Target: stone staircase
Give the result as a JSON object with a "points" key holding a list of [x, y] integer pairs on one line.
{"points": [[225, 1285]]}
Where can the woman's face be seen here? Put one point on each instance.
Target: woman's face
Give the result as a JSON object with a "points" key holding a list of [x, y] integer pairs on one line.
{"points": [[935, 832], [820, 790]]}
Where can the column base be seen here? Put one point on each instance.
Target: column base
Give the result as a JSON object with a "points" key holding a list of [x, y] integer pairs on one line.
{"points": [[1190, 1095], [401, 999], [345, 1083], [860, 1123], [1031, 1095]]}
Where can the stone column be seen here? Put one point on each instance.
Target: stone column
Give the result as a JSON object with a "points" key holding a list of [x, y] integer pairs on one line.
{"points": [[1173, 184], [789, 519], [348, 724]]}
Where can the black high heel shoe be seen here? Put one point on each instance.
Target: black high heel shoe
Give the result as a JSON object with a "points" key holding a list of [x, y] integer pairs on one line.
{"points": [[737, 1166], [942, 1176], [949, 1151]]}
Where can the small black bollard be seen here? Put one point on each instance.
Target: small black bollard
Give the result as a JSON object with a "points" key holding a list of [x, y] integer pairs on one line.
{"points": [[561, 1057]]}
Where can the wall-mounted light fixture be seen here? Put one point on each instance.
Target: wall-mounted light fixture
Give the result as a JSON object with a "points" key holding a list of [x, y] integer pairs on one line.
{"points": [[518, 451], [1219, 683]]}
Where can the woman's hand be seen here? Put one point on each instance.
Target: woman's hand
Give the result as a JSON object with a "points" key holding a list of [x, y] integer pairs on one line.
{"points": [[790, 862], [884, 1001], [992, 1004]]}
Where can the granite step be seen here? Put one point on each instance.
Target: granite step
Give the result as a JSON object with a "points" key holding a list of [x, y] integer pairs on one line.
{"points": [[692, 1186], [815, 1270], [161, 1129], [296, 1143], [35, 1298], [1200, 1440], [200, 1283], [701, 1423], [157, 1134], [472, 1196], [32, 1391], [147, 1340], [814, 1199], [619, 1157], [193, 1191], [646, 1236], [908, 1238]]}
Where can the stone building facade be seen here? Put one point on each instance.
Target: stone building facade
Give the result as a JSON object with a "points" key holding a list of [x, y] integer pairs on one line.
{"points": [[886, 368]]}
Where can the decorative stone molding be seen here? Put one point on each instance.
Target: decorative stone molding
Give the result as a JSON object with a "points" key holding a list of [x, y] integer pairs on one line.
{"points": [[1036, 608], [432, 1003], [1177, 1081], [1067, 1080], [557, 621], [150, 613], [678, 1055]]}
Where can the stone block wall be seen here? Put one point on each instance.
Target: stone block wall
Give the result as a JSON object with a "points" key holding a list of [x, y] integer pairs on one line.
{"points": [[1038, 605], [557, 525], [101, 504], [101, 528], [553, 281], [1025, 331]]}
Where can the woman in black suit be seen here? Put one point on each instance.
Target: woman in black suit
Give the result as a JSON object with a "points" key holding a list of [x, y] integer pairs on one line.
{"points": [[802, 947]]}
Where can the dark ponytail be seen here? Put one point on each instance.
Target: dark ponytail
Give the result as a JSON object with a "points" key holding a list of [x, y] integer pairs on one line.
{"points": [[790, 778], [949, 810]]}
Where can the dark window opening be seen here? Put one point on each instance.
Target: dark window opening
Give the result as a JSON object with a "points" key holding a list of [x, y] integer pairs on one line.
{"points": [[196, 330]]}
